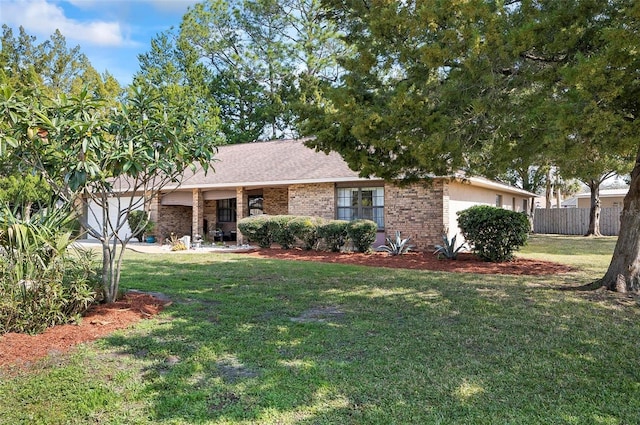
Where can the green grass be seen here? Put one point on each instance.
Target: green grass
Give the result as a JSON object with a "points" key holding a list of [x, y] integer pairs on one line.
{"points": [[280, 342], [589, 254]]}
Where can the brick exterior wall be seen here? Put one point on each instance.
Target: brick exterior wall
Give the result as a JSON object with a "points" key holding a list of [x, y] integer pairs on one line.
{"points": [[313, 199], [417, 211], [276, 201], [174, 218]]}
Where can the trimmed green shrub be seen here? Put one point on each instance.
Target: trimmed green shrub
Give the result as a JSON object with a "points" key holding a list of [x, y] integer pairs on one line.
{"points": [[257, 229], [280, 230], [334, 233], [494, 233], [362, 234], [306, 230]]}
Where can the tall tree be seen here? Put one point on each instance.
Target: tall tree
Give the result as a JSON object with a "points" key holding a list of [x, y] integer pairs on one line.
{"points": [[242, 44], [51, 66], [431, 90], [178, 76], [609, 80], [263, 59]]}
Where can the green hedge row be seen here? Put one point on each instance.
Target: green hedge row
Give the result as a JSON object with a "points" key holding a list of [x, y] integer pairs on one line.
{"points": [[308, 232]]}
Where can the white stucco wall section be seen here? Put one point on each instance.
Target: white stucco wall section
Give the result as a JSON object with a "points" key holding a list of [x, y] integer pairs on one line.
{"points": [[465, 195], [184, 198], [95, 214]]}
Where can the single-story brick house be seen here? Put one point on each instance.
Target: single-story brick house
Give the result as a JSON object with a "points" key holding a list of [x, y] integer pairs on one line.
{"points": [[286, 177]]}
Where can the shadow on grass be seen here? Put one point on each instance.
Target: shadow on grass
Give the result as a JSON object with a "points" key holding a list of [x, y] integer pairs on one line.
{"points": [[269, 341]]}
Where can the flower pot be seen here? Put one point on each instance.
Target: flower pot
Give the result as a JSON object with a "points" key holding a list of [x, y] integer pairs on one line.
{"points": [[151, 239]]}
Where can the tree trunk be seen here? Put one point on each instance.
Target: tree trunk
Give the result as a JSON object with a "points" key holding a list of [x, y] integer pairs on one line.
{"points": [[548, 190], [107, 272], [594, 212], [111, 266], [623, 274]]}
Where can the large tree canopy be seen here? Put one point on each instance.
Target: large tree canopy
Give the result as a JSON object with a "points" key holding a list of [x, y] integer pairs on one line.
{"points": [[254, 61], [51, 66], [438, 87]]}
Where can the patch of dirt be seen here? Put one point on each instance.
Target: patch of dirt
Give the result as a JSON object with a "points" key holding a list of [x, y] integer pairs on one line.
{"points": [[466, 262], [232, 370], [319, 315], [21, 350]]}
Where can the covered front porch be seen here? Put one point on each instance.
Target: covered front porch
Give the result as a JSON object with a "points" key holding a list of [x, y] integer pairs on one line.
{"points": [[213, 214]]}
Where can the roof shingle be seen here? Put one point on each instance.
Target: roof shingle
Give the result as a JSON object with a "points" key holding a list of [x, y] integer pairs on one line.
{"points": [[273, 162]]}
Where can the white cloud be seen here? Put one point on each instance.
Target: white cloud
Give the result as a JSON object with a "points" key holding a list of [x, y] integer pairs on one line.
{"points": [[39, 17]]}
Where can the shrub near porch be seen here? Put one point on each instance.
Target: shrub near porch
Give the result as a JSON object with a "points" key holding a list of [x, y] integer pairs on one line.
{"points": [[308, 232]]}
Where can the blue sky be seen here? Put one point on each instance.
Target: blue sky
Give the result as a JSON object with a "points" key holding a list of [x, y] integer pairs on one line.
{"points": [[110, 32]]}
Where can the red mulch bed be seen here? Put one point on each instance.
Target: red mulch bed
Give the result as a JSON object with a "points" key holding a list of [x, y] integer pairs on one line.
{"points": [[101, 319], [466, 262], [21, 350]]}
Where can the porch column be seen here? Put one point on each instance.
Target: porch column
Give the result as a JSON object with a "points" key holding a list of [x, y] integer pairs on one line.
{"points": [[154, 213], [197, 214], [242, 210], [153, 202]]}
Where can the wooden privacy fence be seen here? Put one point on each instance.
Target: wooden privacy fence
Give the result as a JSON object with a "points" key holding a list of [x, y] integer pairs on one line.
{"points": [[575, 221]]}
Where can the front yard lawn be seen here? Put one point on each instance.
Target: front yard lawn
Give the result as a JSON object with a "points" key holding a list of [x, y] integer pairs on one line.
{"points": [[263, 341]]}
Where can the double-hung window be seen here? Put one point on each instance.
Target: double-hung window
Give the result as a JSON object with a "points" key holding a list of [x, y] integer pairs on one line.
{"points": [[361, 203]]}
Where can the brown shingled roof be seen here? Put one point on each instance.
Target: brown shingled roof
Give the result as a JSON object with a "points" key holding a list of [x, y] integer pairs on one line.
{"points": [[275, 162]]}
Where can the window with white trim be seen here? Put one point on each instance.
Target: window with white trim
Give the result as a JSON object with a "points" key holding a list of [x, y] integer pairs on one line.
{"points": [[361, 203]]}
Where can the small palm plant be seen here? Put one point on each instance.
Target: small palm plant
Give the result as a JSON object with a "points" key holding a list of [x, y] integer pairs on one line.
{"points": [[448, 248], [397, 246]]}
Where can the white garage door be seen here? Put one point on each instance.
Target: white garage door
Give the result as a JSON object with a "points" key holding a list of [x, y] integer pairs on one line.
{"points": [[95, 213]]}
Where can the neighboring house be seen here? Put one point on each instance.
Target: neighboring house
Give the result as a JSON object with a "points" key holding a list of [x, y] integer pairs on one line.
{"points": [[541, 202], [609, 198], [286, 177]]}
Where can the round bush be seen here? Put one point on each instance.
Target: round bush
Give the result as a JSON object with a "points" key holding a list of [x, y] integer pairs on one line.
{"points": [[257, 229], [334, 233], [305, 229], [281, 231], [362, 234], [493, 233]]}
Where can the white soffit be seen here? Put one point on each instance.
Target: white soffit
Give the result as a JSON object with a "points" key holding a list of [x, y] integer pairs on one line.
{"points": [[212, 195], [177, 198]]}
